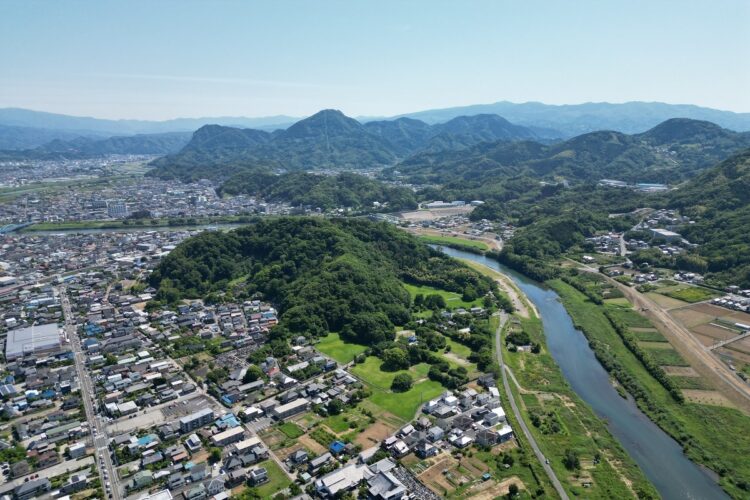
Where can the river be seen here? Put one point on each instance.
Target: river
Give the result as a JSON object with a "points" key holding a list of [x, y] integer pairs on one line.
{"points": [[658, 455]]}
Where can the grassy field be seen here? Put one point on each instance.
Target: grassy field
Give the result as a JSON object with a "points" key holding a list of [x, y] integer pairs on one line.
{"points": [[700, 429], [579, 428], [691, 294], [291, 430], [453, 300], [277, 480], [455, 241], [403, 404], [333, 346], [459, 349]]}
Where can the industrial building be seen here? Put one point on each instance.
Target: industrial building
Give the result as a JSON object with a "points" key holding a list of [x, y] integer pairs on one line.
{"points": [[33, 339]]}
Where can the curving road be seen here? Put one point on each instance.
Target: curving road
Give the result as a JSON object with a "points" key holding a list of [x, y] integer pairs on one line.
{"points": [[534, 446]]}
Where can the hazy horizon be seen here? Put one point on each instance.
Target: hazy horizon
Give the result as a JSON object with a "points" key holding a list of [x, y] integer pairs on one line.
{"points": [[163, 60]]}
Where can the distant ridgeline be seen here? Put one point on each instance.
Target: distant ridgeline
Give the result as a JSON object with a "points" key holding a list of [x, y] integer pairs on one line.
{"points": [[329, 140], [343, 275], [676, 149]]}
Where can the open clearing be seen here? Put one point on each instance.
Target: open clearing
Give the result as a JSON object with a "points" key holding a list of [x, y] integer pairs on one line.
{"points": [[374, 434], [713, 398], [680, 371], [436, 213], [453, 300], [664, 301], [333, 346]]}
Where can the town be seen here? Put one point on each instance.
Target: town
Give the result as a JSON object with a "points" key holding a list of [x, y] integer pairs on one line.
{"points": [[106, 396]]}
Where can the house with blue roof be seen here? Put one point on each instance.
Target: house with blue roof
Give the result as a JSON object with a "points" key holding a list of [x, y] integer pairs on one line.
{"points": [[337, 447]]}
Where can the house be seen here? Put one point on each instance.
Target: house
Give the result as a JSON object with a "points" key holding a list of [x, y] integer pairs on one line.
{"points": [[257, 476], [487, 437], [193, 443], [426, 450], [76, 482], [214, 486], [318, 462], [336, 447], [197, 492], [198, 472], [32, 489], [435, 433], [141, 479], [235, 478], [299, 457]]}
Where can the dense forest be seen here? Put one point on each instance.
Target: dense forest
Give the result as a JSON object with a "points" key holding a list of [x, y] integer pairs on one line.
{"points": [[324, 275], [322, 191], [719, 200]]}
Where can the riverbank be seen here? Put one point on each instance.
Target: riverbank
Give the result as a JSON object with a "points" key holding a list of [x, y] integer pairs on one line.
{"points": [[709, 435], [562, 424]]}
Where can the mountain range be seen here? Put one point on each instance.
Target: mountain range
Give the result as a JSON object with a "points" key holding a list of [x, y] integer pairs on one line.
{"points": [[329, 140], [576, 119], [27, 129], [673, 150]]}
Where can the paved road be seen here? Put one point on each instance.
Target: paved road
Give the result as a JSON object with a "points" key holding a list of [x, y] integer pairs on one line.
{"points": [[534, 446], [107, 473]]}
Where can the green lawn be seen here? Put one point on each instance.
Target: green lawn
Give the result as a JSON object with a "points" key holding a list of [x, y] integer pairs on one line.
{"points": [[458, 349], [404, 404], [277, 480], [370, 372], [452, 299], [453, 240], [291, 430], [333, 346], [342, 422], [691, 294]]}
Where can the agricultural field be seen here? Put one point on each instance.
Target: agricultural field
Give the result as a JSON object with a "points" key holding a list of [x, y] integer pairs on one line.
{"points": [[291, 430], [689, 294], [453, 300], [334, 347]]}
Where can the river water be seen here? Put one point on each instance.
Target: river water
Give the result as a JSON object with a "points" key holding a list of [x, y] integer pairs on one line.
{"points": [[659, 456]]}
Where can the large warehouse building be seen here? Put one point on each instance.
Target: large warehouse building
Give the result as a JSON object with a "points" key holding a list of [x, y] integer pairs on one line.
{"points": [[32, 340]]}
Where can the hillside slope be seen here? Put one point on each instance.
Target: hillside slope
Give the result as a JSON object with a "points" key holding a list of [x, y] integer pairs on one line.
{"points": [[324, 275]]}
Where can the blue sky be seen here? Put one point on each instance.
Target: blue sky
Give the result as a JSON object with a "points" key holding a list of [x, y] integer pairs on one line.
{"points": [[164, 59]]}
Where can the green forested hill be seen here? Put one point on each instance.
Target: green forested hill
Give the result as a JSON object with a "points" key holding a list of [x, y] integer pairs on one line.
{"points": [[326, 140], [719, 201], [322, 191], [674, 150], [324, 275]]}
